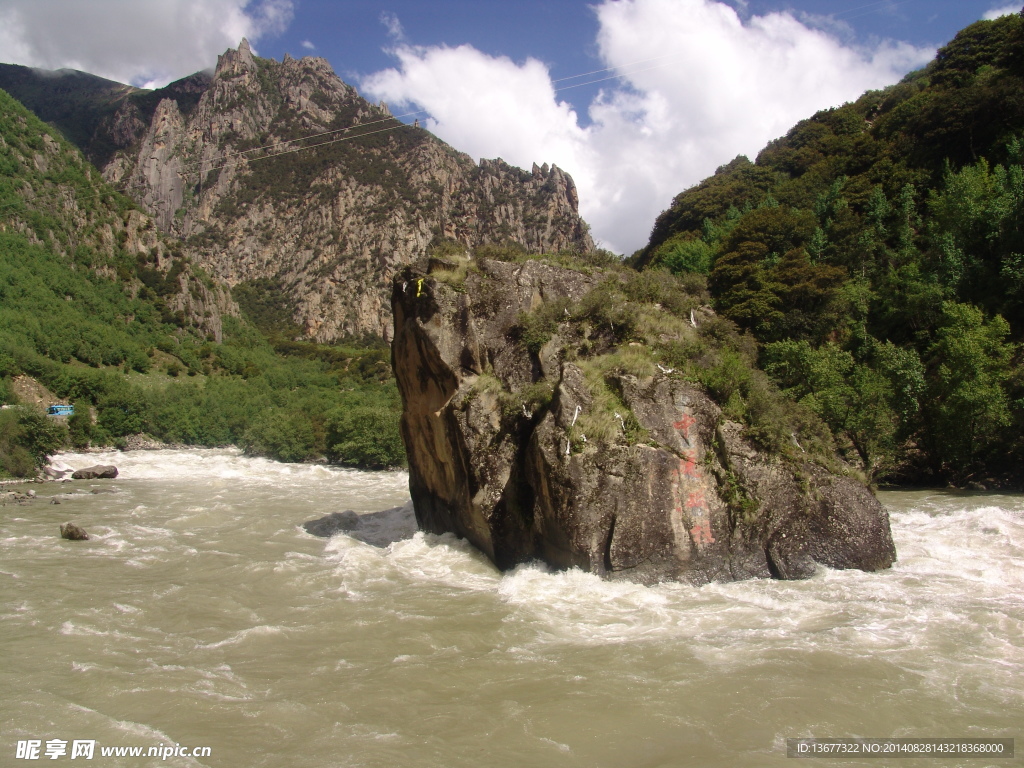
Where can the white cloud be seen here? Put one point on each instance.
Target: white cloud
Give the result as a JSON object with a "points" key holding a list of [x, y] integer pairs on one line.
{"points": [[721, 86], [309, 46], [143, 42], [1004, 10], [393, 25], [483, 105]]}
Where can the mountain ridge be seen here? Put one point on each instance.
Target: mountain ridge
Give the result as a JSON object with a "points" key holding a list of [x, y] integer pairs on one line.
{"points": [[330, 225], [97, 115]]}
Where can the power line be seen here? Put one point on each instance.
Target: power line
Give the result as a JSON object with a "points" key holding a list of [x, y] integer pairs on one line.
{"points": [[268, 147], [867, 9], [225, 161], [321, 144], [610, 77], [886, 4], [612, 69], [125, 184]]}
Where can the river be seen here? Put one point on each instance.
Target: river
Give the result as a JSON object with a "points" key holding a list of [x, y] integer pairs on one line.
{"points": [[200, 614]]}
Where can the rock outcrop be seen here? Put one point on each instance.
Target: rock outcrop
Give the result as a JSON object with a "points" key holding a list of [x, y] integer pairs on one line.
{"points": [[377, 528], [13, 497], [329, 525], [329, 219], [496, 454], [98, 472], [73, 532]]}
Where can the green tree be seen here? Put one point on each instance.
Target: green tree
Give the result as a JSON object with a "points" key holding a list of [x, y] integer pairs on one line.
{"points": [[685, 254], [122, 411], [854, 399], [284, 436], [365, 436], [967, 404], [27, 440], [80, 425]]}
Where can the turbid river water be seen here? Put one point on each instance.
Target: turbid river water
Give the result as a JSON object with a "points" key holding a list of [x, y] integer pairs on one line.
{"points": [[200, 614]]}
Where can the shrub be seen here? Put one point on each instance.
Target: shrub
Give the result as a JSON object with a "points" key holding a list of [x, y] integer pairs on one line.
{"points": [[27, 440], [80, 426], [284, 436], [365, 436], [122, 411]]}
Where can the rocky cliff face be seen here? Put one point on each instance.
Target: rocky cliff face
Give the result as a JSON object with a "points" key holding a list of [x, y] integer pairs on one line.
{"points": [[333, 216], [498, 453], [190, 296]]}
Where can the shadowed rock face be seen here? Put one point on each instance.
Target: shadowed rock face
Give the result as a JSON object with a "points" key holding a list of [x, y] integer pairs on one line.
{"points": [[695, 502]]}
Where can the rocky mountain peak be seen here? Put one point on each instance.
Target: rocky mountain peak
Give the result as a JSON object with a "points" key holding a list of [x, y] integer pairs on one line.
{"points": [[282, 172], [235, 61]]}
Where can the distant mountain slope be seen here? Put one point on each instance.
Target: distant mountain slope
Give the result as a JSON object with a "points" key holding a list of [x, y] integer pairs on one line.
{"points": [[108, 313], [235, 177], [966, 104], [55, 206], [89, 291], [877, 253], [98, 116]]}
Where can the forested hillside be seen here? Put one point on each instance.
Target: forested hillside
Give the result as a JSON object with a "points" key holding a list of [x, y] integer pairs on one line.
{"points": [[876, 254], [108, 314]]}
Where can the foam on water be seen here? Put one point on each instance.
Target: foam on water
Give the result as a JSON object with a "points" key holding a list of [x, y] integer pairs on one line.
{"points": [[954, 563], [246, 634], [211, 465], [955, 594]]}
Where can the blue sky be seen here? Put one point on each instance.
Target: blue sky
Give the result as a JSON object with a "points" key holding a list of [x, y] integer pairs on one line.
{"points": [[675, 87], [354, 35]]}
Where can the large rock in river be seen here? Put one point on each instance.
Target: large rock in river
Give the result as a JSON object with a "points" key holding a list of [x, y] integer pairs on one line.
{"points": [[98, 472], [509, 470]]}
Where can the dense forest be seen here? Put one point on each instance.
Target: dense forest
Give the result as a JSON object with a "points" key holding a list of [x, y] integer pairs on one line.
{"points": [[875, 254], [109, 316]]}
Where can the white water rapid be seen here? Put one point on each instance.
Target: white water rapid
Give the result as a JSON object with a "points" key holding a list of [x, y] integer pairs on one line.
{"points": [[200, 614]]}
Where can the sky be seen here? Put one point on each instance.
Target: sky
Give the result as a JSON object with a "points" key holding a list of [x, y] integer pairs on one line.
{"points": [[636, 99]]}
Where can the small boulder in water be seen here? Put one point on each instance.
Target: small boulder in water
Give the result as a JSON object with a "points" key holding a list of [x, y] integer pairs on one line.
{"points": [[73, 532], [16, 497], [99, 472], [387, 526], [336, 522]]}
